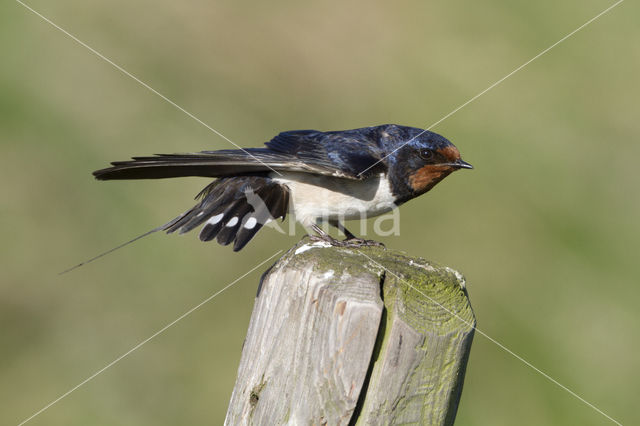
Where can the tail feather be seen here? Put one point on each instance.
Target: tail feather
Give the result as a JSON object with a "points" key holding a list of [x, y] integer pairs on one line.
{"points": [[268, 204], [210, 231], [234, 210], [231, 220], [228, 233], [205, 210], [246, 233]]}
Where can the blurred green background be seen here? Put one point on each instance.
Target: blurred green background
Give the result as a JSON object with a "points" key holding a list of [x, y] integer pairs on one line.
{"points": [[545, 228]]}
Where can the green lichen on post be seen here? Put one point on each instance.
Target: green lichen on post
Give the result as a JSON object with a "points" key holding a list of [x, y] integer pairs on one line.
{"points": [[427, 328], [431, 303], [433, 297]]}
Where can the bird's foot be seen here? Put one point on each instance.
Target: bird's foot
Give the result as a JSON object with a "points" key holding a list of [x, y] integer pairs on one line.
{"points": [[324, 238], [359, 242], [349, 242]]}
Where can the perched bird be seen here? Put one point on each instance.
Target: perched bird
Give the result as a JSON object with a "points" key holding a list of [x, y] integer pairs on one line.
{"points": [[317, 177]]}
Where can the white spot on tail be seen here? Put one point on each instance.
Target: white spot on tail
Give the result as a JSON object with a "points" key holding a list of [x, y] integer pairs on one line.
{"points": [[251, 223], [232, 222], [215, 219]]}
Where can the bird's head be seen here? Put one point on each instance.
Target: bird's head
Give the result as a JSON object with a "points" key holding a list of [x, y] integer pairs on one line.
{"points": [[424, 160]]}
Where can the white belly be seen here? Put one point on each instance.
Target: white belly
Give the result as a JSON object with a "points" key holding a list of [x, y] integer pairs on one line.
{"points": [[316, 198]]}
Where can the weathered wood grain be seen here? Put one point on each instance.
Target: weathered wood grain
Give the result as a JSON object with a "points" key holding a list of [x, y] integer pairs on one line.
{"points": [[343, 336]]}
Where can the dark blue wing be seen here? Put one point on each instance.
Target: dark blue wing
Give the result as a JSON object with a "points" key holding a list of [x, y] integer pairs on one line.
{"points": [[351, 154], [345, 153]]}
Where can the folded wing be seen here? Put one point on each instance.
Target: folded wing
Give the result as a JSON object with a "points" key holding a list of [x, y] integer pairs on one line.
{"points": [[339, 154]]}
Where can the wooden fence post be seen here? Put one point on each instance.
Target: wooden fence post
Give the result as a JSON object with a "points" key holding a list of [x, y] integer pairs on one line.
{"points": [[344, 336]]}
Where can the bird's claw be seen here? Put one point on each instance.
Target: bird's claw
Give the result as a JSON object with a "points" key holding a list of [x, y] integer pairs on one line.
{"points": [[349, 242], [359, 242]]}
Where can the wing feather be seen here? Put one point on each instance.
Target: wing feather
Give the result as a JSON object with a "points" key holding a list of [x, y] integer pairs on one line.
{"points": [[340, 154]]}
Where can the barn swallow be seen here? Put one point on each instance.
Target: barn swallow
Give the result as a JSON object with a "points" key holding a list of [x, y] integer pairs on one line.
{"points": [[317, 177]]}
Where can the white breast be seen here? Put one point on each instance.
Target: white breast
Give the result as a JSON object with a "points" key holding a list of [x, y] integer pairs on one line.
{"points": [[316, 198]]}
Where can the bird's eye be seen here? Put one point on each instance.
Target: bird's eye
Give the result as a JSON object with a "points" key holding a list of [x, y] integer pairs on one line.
{"points": [[426, 154]]}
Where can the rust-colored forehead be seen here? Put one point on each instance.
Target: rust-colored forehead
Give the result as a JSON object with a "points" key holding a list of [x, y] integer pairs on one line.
{"points": [[450, 152]]}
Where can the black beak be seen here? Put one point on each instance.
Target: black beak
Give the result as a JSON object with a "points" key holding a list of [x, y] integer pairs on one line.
{"points": [[460, 164]]}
